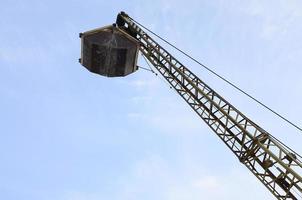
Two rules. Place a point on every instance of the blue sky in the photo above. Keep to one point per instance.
(67, 134)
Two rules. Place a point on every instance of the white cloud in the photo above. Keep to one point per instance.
(144, 83)
(157, 178)
(276, 18)
(22, 54)
(141, 99)
(136, 116)
(207, 183)
(75, 195)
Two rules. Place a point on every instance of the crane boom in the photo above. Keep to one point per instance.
(271, 162)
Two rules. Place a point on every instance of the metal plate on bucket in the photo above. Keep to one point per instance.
(109, 51)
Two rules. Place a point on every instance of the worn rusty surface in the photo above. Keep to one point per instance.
(109, 51)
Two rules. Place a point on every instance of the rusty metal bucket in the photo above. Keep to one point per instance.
(109, 51)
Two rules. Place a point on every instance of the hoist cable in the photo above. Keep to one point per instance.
(154, 72)
(221, 77)
(146, 69)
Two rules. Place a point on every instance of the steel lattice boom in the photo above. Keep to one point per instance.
(272, 163)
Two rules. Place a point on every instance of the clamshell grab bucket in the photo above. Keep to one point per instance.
(109, 51)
